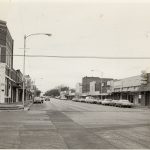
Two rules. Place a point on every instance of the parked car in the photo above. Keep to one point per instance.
(82, 100)
(89, 99)
(63, 98)
(106, 101)
(113, 102)
(57, 97)
(95, 101)
(124, 103)
(78, 100)
(42, 99)
(99, 101)
(75, 99)
(47, 99)
(37, 100)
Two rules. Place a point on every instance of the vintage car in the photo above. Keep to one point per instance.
(47, 98)
(124, 103)
(75, 99)
(38, 100)
(99, 101)
(106, 101)
(113, 102)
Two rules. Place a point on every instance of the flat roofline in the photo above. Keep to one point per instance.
(95, 77)
(129, 77)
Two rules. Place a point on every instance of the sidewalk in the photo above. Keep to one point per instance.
(16, 106)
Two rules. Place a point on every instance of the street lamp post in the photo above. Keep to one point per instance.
(24, 55)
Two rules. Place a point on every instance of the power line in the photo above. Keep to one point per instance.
(80, 57)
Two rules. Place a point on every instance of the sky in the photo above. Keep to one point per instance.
(79, 28)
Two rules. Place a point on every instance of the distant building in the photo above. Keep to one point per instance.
(70, 94)
(20, 85)
(63, 94)
(33, 89)
(93, 90)
(28, 86)
(94, 85)
(78, 90)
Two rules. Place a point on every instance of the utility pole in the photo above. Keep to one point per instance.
(101, 84)
(25, 37)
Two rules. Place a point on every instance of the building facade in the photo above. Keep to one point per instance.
(78, 89)
(136, 89)
(10, 79)
(10, 86)
(6, 63)
(95, 85)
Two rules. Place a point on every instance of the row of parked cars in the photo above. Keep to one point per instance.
(61, 98)
(40, 99)
(109, 102)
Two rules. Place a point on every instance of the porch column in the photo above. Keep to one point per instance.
(17, 95)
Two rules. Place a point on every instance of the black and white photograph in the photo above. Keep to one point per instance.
(74, 74)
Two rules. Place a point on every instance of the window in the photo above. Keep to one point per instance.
(8, 58)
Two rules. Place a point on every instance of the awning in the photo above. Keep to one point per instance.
(15, 85)
(127, 89)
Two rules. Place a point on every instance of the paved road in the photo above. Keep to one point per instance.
(73, 125)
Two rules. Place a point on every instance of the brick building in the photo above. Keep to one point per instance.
(99, 85)
(6, 63)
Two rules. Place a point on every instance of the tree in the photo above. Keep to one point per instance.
(65, 88)
(62, 88)
(73, 90)
(53, 92)
(37, 92)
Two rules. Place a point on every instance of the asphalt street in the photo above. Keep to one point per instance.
(61, 124)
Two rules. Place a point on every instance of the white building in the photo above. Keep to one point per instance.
(136, 89)
(2, 83)
(78, 89)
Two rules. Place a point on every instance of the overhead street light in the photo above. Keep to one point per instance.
(25, 37)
